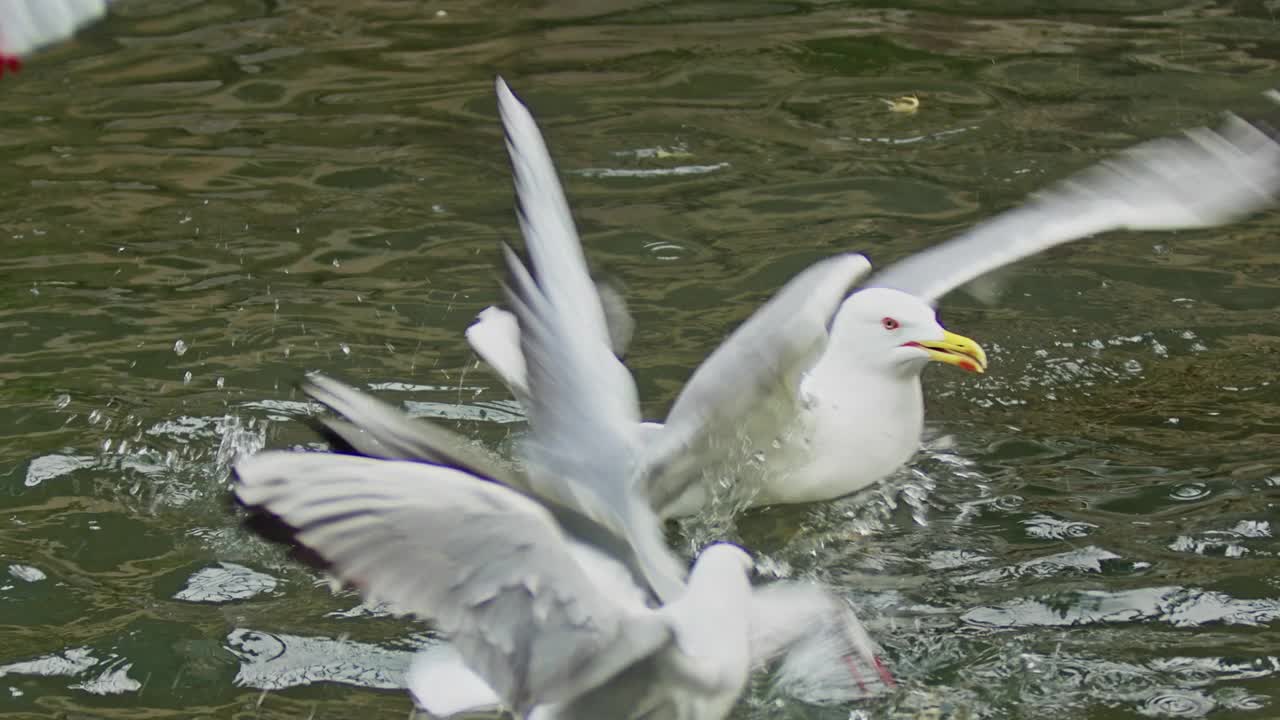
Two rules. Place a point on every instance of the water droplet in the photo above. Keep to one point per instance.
(186, 377)
(336, 263)
(180, 347)
(346, 349)
(1189, 492)
(221, 382)
(95, 417)
(1176, 703)
(62, 401)
(1007, 502)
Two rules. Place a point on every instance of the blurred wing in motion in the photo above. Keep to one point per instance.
(375, 429)
(584, 429)
(487, 564)
(584, 414)
(1207, 177)
(826, 654)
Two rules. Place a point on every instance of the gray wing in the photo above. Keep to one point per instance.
(380, 430)
(584, 414)
(547, 225)
(584, 429)
(1207, 177)
(376, 429)
(752, 379)
(826, 654)
(488, 565)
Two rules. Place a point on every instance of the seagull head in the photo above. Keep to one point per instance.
(899, 331)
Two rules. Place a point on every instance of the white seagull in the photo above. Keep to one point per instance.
(817, 395)
(821, 645)
(27, 25)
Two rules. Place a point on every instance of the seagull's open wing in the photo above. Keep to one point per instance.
(487, 564)
(549, 233)
(1206, 177)
(376, 429)
(379, 430)
(584, 415)
(584, 429)
(751, 382)
(26, 25)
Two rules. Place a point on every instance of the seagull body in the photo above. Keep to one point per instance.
(818, 394)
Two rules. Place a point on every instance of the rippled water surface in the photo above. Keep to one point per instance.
(202, 199)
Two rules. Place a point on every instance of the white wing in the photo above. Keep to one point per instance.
(584, 415)
(26, 25)
(547, 225)
(1205, 178)
(750, 383)
(487, 564)
(375, 429)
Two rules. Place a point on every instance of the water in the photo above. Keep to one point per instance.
(203, 200)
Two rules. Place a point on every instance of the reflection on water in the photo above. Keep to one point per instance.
(202, 200)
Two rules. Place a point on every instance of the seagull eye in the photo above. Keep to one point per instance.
(889, 323)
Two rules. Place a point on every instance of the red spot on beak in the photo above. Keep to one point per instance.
(966, 365)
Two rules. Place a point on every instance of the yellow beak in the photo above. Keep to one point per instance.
(956, 350)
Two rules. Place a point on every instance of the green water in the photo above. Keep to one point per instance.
(201, 200)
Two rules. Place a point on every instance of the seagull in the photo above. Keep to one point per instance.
(818, 395)
(27, 25)
(499, 576)
(803, 626)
